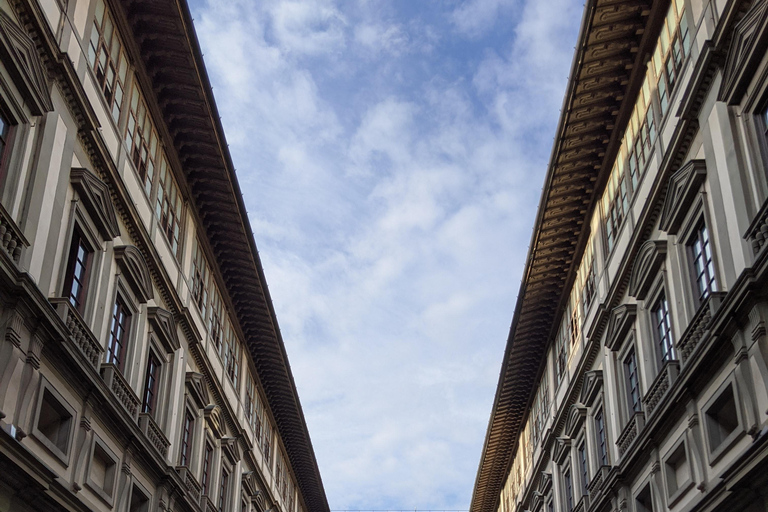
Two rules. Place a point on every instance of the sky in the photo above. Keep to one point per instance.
(391, 154)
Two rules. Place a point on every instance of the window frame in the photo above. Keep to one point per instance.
(661, 357)
(206, 466)
(78, 235)
(122, 57)
(714, 454)
(187, 442)
(631, 349)
(603, 455)
(567, 482)
(62, 455)
(107, 496)
(674, 495)
(695, 236)
(127, 332)
(154, 389)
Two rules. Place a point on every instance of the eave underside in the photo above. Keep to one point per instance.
(609, 65)
(171, 56)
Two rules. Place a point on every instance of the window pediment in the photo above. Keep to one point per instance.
(683, 187)
(95, 197)
(213, 418)
(20, 55)
(620, 322)
(592, 386)
(545, 483)
(132, 262)
(196, 389)
(561, 450)
(231, 449)
(647, 264)
(576, 416)
(163, 326)
(748, 47)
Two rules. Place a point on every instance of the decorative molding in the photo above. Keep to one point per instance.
(258, 501)
(545, 483)
(21, 59)
(230, 447)
(561, 449)
(136, 270)
(747, 49)
(683, 186)
(213, 418)
(649, 259)
(592, 387)
(620, 321)
(163, 326)
(576, 416)
(196, 389)
(95, 196)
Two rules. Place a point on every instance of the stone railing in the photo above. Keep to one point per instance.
(190, 483)
(631, 430)
(695, 331)
(79, 333)
(120, 389)
(660, 386)
(11, 238)
(757, 234)
(154, 434)
(207, 505)
(596, 485)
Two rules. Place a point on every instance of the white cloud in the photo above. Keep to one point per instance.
(391, 184)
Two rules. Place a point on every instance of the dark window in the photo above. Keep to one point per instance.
(703, 268)
(118, 334)
(200, 279)
(722, 419)
(224, 490)
(168, 208)
(663, 328)
(643, 501)
(568, 485)
(551, 505)
(584, 470)
(5, 135)
(207, 461)
(139, 501)
(106, 56)
(78, 268)
(150, 384)
(141, 139)
(633, 385)
(562, 356)
(602, 443)
(54, 422)
(186, 438)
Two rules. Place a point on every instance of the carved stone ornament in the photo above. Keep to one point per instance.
(231, 448)
(561, 450)
(163, 326)
(576, 416)
(136, 271)
(647, 265)
(748, 47)
(684, 184)
(95, 197)
(258, 501)
(196, 389)
(250, 485)
(213, 418)
(20, 57)
(591, 388)
(545, 483)
(620, 322)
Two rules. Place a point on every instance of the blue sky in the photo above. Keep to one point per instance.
(391, 155)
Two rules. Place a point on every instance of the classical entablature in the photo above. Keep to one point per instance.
(608, 67)
(168, 49)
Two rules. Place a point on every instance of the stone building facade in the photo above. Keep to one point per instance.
(635, 376)
(141, 364)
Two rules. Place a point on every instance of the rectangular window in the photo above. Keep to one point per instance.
(584, 469)
(252, 409)
(267, 443)
(5, 137)
(207, 461)
(602, 442)
(108, 60)
(633, 385)
(224, 490)
(568, 488)
(186, 439)
(562, 356)
(231, 355)
(700, 252)
(141, 139)
(149, 400)
(215, 315)
(199, 279)
(118, 334)
(78, 269)
(169, 206)
(663, 329)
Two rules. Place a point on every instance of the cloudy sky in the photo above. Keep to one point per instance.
(392, 153)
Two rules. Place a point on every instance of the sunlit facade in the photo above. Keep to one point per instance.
(636, 373)
(141, 365)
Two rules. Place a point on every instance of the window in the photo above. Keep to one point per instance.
(224, 490)
(700, 252)
(169, 206)
(561, 347)
(107, 58)
(588, 292)
(267, 443)
(199, 279)
(141, 139)
(568, 488)
(186, 439)
(677, 472)
(139, 501)
(54, 423)
(118, 334)
(78, 269)
(215, 316)
(602, 443)
(663, 329)
(252, 409)
(207, 461)
(232, 355)
(149, 399)
(643, 501)
(102, 471)
(5, 136)
(722, 419)
(582, 451)
(765, 123)
(633, 385)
